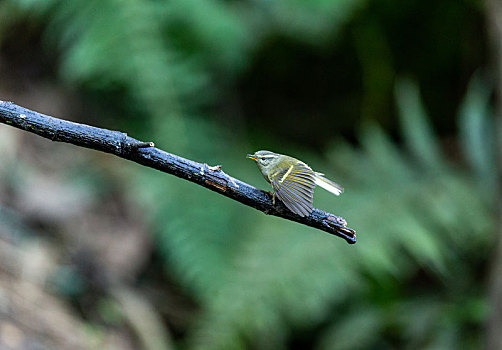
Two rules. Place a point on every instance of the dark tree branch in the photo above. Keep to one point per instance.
(144, 153)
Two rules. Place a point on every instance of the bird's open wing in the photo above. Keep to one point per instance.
(294, 186)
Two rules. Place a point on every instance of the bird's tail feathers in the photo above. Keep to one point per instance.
(328, 185)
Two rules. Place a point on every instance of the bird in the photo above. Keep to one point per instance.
(293, 181)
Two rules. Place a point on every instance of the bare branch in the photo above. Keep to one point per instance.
(144, 153)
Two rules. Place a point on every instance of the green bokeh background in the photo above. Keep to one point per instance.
(392, 99)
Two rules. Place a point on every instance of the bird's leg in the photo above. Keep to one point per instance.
(273, 196)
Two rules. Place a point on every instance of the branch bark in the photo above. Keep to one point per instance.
(144, 153)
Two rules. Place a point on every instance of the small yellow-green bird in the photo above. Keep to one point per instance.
(293, 181)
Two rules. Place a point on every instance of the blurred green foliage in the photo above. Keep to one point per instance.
(425, 220)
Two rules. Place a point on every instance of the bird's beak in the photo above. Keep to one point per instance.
(251, 156)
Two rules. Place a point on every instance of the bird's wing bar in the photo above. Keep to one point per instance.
(294, 186)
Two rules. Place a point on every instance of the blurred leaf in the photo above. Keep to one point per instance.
(476, 131)
(416, 130)
(68, 282)
(215, 32)
(311, 20)
(358, 330)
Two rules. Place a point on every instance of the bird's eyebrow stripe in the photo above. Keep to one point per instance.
(267, 156)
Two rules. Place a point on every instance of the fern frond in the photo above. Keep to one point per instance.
(416, 131)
